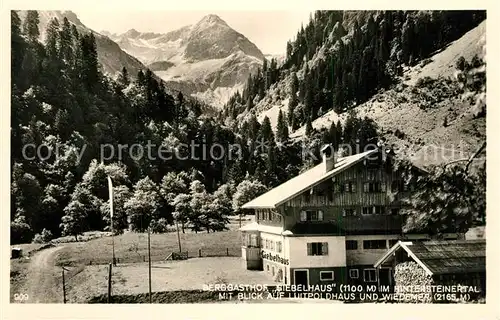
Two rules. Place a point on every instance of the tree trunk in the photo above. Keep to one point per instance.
(76, 237)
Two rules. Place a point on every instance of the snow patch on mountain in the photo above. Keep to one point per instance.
(208, 60)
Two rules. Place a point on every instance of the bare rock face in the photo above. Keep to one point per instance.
(209, 59)
(212, 38)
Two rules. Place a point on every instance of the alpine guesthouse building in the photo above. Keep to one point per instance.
(329, 224)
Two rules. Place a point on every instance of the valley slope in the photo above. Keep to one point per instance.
(427, 121)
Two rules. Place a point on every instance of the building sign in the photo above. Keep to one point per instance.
(274, 257)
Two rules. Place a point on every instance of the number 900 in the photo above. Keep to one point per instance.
(21, 297)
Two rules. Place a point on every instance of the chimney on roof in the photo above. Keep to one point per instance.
(328, 156)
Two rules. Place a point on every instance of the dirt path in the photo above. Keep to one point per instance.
(43, 278)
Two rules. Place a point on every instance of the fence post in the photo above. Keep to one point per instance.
(64, 286)
(199, 253)
(227, 251)
(109, 283)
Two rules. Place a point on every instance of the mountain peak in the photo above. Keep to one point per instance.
(211, 19)
(132, 33)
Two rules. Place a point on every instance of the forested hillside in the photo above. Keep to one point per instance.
(340, 59)
(67, 117)
(72, 126)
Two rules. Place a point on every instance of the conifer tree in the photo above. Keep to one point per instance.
(123, 78)
(309, 127)
(66, 42)
(281, 128)
(52, 38)
(30, 26)
(266, 132)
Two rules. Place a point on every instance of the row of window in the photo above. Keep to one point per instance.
(380, 210)
(311, 215)
(268, 215)
(350, 187)
(370, 244)
(317, 215)
(276, 246)
(369, 275)
(251, 240)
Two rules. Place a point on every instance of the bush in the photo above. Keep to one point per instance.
(20, 231)
(159, 226)
(44, 237)
(425, 62)
(445, 122)
(461, 64)
(424, 82)
(400, 134)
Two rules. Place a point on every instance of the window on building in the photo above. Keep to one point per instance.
(254, 241)
(369, 275)
(374, 210)
(395, 211)
(273, 271)
(378, 210)
(351, 245)
(371, 187)
(311, 215)
(317, 249)
(374, 244)
(392, 242)
(267, 268)
(346, 212)
(272, 245)
(279, 246)
(367, 210)
(326, 275)
(354, 273)
(350, 187)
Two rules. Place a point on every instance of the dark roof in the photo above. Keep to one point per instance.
(322, 228)
(444, 257)
(373, 224)
(455, 256)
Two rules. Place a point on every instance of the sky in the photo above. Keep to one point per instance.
(269, 30)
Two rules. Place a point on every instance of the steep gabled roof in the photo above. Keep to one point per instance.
(302, 182)
(444, 257)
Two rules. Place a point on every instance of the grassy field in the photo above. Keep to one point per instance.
(132, 247)
(186, 275)
(38, 270)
